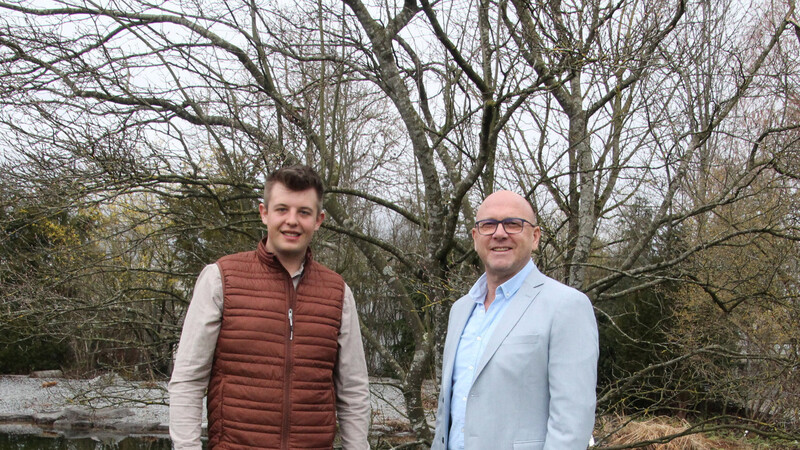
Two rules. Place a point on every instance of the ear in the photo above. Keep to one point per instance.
(320, 218)
(262, 211)
(537, 235)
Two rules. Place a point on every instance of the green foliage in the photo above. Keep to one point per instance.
(23, 350)
(108, 284)
(636, 338)
(635, 327)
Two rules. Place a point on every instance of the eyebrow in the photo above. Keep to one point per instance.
(284, 205)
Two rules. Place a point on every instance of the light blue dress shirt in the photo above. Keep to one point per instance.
(476, 334)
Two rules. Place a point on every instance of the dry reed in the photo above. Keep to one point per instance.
(656, 428)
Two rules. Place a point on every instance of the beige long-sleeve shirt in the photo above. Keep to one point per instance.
(195, 354)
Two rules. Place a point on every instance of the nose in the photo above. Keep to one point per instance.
(500, 232)
(291, 218)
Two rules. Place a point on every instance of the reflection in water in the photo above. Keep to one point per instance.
(51, 441)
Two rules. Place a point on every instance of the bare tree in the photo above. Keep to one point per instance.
(412, 112)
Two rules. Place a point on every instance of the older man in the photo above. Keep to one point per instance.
(520, 357)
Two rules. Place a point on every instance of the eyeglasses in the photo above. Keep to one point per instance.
(512, 225)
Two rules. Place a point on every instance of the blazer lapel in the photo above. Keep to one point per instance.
(530, 288)
(456, 326)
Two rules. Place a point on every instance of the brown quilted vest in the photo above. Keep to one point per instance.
(272, 378)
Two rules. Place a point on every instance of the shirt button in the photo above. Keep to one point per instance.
(464, 398)
(478, 338)
(471, 368)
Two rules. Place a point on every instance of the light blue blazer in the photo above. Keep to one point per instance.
(535, 382)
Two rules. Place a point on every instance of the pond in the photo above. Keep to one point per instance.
(30, 437)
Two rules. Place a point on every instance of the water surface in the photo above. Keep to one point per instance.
(30, 437)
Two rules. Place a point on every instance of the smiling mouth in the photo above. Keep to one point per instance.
(290, 233)
(501, 249)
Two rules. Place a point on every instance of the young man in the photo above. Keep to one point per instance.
(520, 357)
(274, 338)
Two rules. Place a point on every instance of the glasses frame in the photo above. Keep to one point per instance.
(503, 222)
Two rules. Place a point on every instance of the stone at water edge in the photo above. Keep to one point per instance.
(47, 374)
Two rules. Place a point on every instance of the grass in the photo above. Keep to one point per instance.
(623, 431)
(652, 429)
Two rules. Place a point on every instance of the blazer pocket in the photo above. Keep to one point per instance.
(528, 445)
(521, 339)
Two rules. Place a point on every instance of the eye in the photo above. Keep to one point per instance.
(487, 226)
(513, 225)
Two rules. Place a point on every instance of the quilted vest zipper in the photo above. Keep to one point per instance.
(287, 384)
(291, 325)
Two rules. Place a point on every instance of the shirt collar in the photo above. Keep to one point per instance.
(299, 271)
(507, 289)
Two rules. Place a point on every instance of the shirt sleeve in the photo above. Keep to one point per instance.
(351, 380)
(192, 368)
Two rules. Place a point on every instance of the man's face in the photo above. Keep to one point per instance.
(504, 254)
(291, 218)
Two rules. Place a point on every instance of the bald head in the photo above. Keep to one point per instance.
(512, 203)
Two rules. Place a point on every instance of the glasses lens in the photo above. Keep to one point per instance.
(487, 226)
(513, 226)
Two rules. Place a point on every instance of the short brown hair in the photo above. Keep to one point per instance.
(296, 178)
